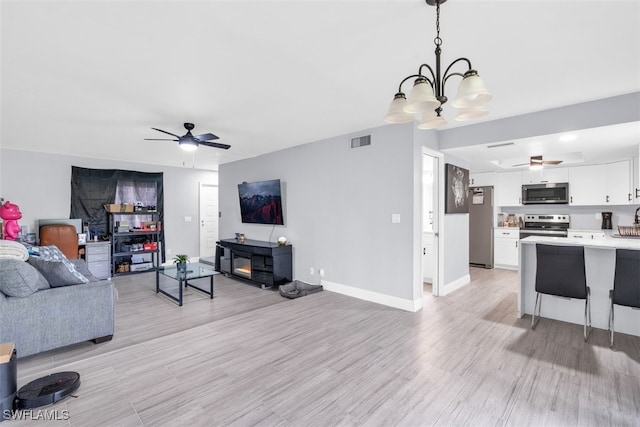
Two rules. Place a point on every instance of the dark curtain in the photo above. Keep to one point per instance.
(91, 189)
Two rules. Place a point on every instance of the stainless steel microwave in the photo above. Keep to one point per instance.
(542, 194)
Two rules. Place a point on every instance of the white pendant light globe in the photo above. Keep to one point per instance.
(432, 121)
(421, 98)
(471, 92)
(188, 145)
(471, 113)
(396, 113)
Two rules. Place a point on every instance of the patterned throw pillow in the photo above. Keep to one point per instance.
(53, 254)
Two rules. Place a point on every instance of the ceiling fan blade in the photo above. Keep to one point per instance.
(206, 137)
(521, 164)
(552, 162)
(215, 145)
(159, 139)
(168, 133)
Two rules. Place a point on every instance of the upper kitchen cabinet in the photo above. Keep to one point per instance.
(482, 179)
(636, 177)
(606, 184)
(546, 175)
(587, 185)
(619, 183)
(509, 189)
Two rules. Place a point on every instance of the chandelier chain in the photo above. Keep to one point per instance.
(437, 41)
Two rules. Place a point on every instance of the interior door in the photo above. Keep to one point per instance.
(208, 219)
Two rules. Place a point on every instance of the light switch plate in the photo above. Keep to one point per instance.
(395, 218)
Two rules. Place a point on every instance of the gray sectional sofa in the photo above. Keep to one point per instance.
(40, 315)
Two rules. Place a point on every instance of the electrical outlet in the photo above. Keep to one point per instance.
(311, 271)
(321, 271)
(168, 251)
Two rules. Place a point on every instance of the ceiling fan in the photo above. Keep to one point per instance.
(189, 142)
(536, 162)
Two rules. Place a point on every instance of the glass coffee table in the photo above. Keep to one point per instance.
(194, 271)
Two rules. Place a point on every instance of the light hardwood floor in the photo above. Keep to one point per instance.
(250, 357)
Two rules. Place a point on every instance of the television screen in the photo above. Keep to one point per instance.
(261, 202)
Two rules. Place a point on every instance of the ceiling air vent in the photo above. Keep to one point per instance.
(361, 141)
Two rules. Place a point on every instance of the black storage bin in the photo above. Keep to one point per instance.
(8, 385)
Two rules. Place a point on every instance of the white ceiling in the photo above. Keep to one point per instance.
(92, 77)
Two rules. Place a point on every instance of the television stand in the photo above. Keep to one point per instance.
(263, 263)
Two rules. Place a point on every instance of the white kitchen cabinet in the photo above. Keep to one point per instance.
(636, 178)
(505, 247)
(509, 189)
(482, 179)
(587, 185)
(618, 183)
(428, 258)
(545, 175)
(605, 184)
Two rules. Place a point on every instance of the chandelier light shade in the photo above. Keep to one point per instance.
(428, 93)
(471, 92)
(432, 122)
(396, 112)
(471, 113)
(421, 98)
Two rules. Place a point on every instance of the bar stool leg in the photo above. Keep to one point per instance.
(611, 320)
(536, 307)
(587, 315)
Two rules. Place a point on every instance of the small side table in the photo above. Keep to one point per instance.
(194, 271)
(98, 258)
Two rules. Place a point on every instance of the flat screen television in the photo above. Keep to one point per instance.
(261, 202)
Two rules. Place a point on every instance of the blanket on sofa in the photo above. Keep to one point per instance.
(13, 250)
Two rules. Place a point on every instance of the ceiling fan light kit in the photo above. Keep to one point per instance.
(428, 95)
(190, 142)
(537, 163)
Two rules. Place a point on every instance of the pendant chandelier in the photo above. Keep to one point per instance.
(427, 95)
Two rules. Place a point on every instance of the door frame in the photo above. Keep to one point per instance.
(438, 216)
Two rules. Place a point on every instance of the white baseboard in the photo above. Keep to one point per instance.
(456, 284)
(378, 298)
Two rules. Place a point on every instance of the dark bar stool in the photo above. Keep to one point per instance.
(626, 283)
(560, 271)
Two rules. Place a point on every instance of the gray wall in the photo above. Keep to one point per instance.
(586, 115)
(338, 203)
(456, 240)
(40, 184)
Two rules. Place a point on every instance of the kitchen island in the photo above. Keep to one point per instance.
(600, 258)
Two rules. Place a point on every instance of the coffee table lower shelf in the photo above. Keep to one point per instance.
(194, 271)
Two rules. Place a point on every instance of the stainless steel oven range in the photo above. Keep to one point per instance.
(545, 225)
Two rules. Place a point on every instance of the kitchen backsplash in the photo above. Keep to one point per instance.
(581, 216)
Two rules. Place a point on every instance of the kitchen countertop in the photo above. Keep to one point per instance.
(600, 260)
(608, 242)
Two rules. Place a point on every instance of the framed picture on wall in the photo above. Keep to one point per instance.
(457, 191)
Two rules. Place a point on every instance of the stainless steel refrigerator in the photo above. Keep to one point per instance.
(481, 226)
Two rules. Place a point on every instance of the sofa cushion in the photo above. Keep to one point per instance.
(81, 267)
(51, 253)
(19, 279)
(57, 273)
